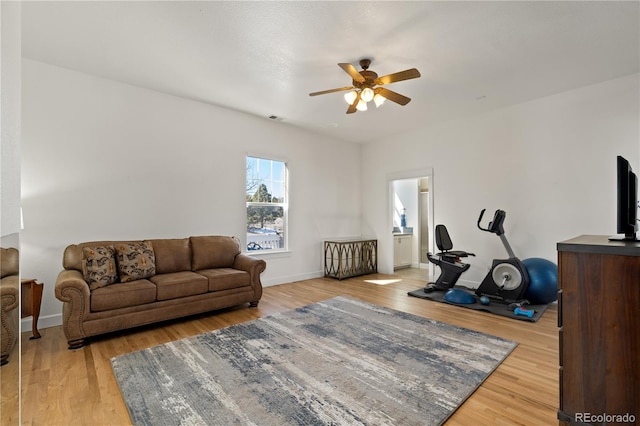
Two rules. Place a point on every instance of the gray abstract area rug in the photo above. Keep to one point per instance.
(337, 362)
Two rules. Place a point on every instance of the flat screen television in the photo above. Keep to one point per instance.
(627, 205)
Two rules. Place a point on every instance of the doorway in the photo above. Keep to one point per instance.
(411, 194)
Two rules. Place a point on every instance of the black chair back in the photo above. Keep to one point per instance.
(443, 240)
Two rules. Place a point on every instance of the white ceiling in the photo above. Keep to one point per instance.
(263, 58)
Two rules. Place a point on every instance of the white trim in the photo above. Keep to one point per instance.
(266, 156)
(410, 174)
(291, 278)
(274, 254)
(284, 205)
(43, 322)
(387, 239)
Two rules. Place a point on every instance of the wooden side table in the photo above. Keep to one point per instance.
(31, 293)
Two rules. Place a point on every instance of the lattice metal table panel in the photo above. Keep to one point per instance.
(349, 258)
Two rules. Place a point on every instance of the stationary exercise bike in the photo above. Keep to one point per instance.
(508, 278)
(448, 260)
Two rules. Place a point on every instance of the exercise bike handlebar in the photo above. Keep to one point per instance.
(495, 226)
(480, 220)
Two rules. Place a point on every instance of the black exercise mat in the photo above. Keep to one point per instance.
(495, 307)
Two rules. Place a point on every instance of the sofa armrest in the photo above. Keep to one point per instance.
(73, 291)
(9, 300)
(254, 267)
(9, 288)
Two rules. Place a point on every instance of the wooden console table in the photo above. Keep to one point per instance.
(599, 324)
(350, 257)
(31, 294)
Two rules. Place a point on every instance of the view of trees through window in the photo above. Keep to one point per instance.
(266, 204)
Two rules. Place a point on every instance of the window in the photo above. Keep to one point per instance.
(266, 204)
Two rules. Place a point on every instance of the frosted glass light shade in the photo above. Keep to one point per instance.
(366, 94)
(378, 99)
(362, 106)
(349, 97)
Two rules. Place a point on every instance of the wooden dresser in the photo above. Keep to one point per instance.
(599, 322)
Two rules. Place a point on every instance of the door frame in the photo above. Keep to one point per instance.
(404, 175)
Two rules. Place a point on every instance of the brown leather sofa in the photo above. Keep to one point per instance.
(9, 288)
(114, 285)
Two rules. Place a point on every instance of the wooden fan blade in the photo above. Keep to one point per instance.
(341, 89)
(398, 76)
(393, 96)
(353, 72)
(352, 107)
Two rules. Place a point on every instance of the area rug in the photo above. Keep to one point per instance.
(495, 307)
(337, 362)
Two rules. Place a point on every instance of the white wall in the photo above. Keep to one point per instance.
(104, 160)
(10, 122)
(549, 163)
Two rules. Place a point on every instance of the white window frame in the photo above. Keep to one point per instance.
(259, 241)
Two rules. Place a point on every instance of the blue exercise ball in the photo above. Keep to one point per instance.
(543, 281)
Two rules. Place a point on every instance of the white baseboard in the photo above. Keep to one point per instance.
(43, 322)
(292, 278)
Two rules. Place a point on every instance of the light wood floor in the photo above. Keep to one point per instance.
(9, 385)
(64, 387)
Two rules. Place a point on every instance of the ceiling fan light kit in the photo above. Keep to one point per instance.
(367, 94)
(349, 97)
(378, 99)
(364, 88)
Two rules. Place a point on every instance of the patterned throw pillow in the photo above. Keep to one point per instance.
(99, 266)
(135, 261)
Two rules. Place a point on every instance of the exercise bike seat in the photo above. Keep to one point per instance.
(448, 260)
(443, 241)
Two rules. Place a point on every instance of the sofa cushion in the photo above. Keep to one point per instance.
(99, 266)
(179, 284)
(225, 278)
(172, 255)
(123, 295)
(213, 252)
(135, 261)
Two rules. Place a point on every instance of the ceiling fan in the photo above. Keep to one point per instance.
(365, 88)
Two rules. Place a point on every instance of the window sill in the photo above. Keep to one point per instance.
(268, 254)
